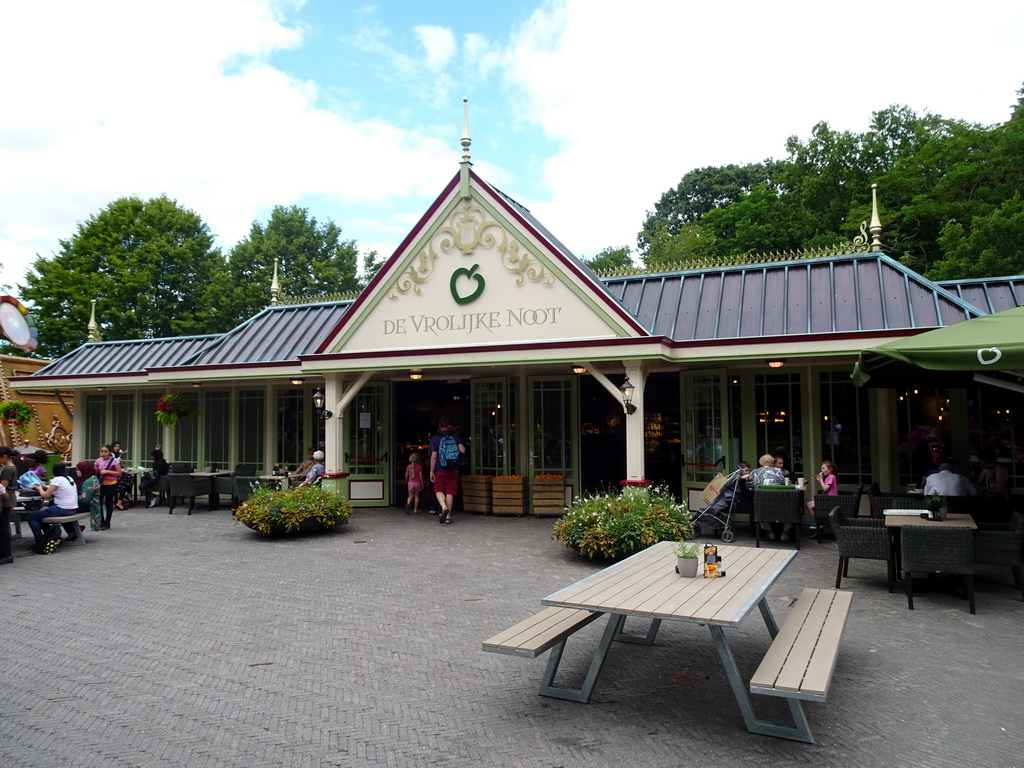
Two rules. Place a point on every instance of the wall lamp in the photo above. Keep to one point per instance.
(578, 369)
(318, 405)
(196, 385)
(415, 374)
(627, 395)
(298, 382)
(775, 363)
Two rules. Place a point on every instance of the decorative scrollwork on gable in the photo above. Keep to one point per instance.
(467, 228)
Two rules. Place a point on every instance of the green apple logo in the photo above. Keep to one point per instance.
(471, 272)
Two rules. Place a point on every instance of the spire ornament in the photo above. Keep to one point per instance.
(275, 288)
(466, 141)
(93, 329)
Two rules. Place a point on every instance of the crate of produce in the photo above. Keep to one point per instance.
(509, 495)
(476, 493)
(548, 495)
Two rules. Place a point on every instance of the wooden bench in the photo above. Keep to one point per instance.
(76, 520)
(800, 662)
(540, 633)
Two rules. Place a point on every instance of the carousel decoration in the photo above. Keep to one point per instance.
(17, 324)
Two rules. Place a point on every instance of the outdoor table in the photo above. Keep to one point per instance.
(281, 480)
(211, 492)
(647, 586)
(895, 519)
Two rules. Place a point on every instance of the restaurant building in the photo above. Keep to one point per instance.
(483, 315)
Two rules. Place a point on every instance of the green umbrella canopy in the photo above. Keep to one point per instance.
(982, 345)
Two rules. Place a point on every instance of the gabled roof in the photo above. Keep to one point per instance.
(127, 357)
(867, 292)
(989, 294)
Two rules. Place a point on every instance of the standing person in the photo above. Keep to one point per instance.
(8, 498)
(64, 492)
(414, 479)
(445, 448)
(126, 480)
(108, 468)
(89, 493)
(159, 469)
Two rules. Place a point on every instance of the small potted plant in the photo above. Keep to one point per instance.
(937, 506)
(687, 558)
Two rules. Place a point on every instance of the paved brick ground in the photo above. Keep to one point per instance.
(188, 641)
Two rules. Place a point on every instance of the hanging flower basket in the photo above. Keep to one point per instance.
(172, 408)
(17, 414)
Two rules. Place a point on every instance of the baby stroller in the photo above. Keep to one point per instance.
(720, 497)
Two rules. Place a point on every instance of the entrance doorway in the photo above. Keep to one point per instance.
(417, 407)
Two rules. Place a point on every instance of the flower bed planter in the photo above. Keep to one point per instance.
(476, 493)
(508, 496)
(548, 496)
(296, 511)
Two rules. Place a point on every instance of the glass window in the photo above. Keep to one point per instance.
(186, 441)
(149, 428)
(777, 404)
(249, 427)
(122, 419)
(291, 434)
(845, 433)
(367, 446)
(923, 422)
(701, 427)
(215, 414)
(95, 425)
(994, 421)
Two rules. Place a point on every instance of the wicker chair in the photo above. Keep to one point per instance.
(883, 501)
(185, 487)
(777, 504)
(865, 538)
(823, 504)
(1002, 546)
(943, 550)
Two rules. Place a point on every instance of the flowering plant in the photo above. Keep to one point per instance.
(173, 407)
(269, 511)
(606, 525)
(17, 414)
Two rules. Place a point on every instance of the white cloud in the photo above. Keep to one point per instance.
(439, 43)
(143, 99)
(639, 94)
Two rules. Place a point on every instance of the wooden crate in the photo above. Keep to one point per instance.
(548, 496)
(476, 493)
(508, 496)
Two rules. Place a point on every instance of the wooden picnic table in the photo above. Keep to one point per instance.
(646, 586)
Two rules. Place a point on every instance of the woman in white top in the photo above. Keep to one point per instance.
(64, 492)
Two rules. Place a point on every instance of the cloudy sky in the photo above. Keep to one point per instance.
(583, 110)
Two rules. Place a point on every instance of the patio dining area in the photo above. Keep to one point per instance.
(191, 640)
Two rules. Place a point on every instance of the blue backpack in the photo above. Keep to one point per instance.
(447, 452)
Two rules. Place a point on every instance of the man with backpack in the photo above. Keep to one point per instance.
(445, 449)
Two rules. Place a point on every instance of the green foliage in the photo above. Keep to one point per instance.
(939, 179)
(615, 525)
(994, 245)
(267, 509)
(312, 260)
(149, 265)
(173, 407)
(687, 550)
(610, 259)
(692, 243)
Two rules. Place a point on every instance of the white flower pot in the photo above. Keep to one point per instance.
(687, 566)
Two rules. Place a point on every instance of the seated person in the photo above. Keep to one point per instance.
(768, 473)
(946, 482)
(934, 463)
(994, 481)
(300, 471)
(316, 470)
(64, 492)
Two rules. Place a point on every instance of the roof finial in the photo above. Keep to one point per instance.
(875, 230)
(275, 288)
(466, 141)
(93, 328)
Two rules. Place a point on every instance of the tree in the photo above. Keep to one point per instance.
(148, 264)
(312, 259)
(691, 243)
(994, 246)
(610, 259)
(700, 191)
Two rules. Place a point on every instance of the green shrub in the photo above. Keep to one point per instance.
(268, 510)
(615, 525)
